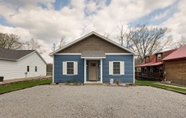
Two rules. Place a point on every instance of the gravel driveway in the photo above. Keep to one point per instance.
(54, 101)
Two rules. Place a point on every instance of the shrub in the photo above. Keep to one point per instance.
(68, 81)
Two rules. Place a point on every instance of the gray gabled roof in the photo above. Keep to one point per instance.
(13, 55)
(87, 35)
(95, 54)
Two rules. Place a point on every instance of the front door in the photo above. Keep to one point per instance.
(93, 70)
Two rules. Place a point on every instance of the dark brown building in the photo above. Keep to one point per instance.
(175, 66)
(153, 66)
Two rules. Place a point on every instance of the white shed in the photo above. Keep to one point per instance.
(16, 64)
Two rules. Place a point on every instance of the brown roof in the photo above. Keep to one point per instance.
(7, 54)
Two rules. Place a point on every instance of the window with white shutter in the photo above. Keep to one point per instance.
(70, 68)
(116, 68)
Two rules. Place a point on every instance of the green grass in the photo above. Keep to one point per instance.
(154, 84)
(22, 85)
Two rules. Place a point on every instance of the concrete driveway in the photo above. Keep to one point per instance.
(54, 101)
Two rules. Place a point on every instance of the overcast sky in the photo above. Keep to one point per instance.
(48, 20)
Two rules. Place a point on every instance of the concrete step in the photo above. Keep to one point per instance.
(93, 83)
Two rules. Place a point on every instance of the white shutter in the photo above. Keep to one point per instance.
(64, 68)
(75, 68)
(110, 68)
(122, 68)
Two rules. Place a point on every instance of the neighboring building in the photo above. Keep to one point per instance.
(175, 66)
(153, 67)
(49, 69)
(21, 63)
(93, 59)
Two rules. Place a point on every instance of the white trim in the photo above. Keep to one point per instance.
(94, 82)
(93, 58)
(85, 70)
(87, 35)
(119, 54)
(97, 57)
(133, 69)
(53, 71)
(67, 54)
(101, 68)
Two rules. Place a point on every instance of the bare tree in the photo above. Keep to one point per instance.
(34, 45)
(181, 41)
(106, 35)
(124, 36)
(10, 41)
(145, 40)
(62, 42)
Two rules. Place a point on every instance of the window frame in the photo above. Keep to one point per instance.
(159, 57)
(70, 68)
(117, 68)
(147, 59)
(28, 68)
(35, 68)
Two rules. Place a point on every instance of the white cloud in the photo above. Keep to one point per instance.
(160, 16)
(177, 21)
(47, 25)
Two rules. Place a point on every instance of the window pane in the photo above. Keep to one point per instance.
(28, 69)
(70, 67)
(70, 64)
(116, 71)
(70, 71)
(35, 68)
(116, 67)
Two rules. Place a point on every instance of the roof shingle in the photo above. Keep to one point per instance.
(7, 54)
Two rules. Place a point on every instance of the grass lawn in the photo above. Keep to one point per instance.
(22, 85)
(154, 84)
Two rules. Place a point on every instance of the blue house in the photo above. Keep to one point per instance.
(93, 58)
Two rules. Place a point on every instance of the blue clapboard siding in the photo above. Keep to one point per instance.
(127, 77)
(58, 76)
(58, 69)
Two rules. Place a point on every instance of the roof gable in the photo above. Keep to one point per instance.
(61, 50)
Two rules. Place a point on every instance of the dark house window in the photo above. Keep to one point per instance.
(70, 68)
(28, 69)
(35, 68)
(116, 67)
(159, 56)
(147, 59)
